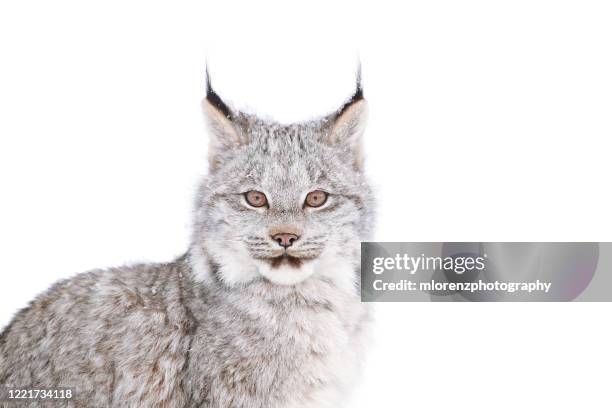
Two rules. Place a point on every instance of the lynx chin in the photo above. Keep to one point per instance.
(262, 311)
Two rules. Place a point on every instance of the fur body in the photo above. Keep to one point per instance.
(237, 321)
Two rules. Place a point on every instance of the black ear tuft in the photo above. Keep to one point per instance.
(357, 95)
(214, 99)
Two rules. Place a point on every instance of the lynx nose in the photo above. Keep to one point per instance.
(284, 239)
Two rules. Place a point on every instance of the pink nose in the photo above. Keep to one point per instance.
(284, 239)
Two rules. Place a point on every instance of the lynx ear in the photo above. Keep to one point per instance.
(349, 124)
(224, 134)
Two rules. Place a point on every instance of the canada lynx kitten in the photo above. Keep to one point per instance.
(263, 311)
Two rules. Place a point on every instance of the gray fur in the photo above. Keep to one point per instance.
(222, 326)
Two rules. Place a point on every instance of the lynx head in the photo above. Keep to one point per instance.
(284, 203)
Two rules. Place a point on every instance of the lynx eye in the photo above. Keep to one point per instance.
(315, 198)
(255, 198)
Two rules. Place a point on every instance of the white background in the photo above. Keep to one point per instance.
(490, 121)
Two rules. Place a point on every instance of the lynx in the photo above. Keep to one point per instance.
(262, 311)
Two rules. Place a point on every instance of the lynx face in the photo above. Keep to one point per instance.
(283, 202)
